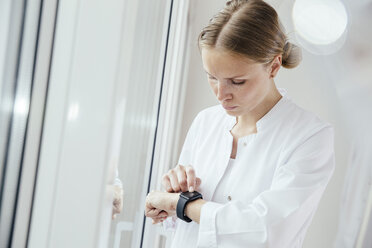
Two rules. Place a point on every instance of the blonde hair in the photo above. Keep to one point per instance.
(250, 28)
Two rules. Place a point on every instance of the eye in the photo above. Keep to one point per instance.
(235, 82)
(212, 78)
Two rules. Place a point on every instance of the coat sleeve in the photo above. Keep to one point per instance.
(276, 216)
(188, 153)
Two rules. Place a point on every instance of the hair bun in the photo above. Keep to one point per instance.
(291, 55)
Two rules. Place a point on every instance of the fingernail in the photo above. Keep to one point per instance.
(191, 189)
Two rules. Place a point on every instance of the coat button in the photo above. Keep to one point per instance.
(229, 198)
(245, 144)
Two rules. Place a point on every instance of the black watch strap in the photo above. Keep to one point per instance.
(182, 202)
(181, 205)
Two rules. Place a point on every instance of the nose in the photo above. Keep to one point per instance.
(222, 91)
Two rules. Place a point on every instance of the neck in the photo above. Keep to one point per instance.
(249, 120)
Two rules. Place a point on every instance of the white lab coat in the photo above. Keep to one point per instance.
(274, 187)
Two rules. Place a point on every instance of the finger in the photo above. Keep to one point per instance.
(182, 178)
(162, 214)
(198, 182)
(167, 183)
(157, 220)
(154, 211)
(191, 178)
(150, 211)
(174, 180)
(117, 208)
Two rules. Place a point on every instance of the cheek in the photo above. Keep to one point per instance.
(251, 93)
(259, 85)
(247, 97)
(213, 86)
(248, 91)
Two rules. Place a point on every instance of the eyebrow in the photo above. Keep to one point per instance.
(236, 77)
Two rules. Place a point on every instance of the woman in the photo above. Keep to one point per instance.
(259, 161)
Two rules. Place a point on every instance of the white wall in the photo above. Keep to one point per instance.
(309, 85)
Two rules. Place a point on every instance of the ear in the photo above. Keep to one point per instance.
(275, 66)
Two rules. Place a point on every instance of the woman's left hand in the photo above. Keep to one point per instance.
(117, 204)
(160, 205)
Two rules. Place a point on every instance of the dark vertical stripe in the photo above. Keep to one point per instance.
(26, 126)
(6, 155)
(43, 118)
(9, 241)
(157, 118)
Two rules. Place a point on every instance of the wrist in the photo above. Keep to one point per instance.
(174, 201)
(197, 204)
(194, 207)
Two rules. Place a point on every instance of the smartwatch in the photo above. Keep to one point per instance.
(186, 197)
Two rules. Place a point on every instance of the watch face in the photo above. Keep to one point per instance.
(190, 194)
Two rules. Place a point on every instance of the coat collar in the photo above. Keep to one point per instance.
(269, 119)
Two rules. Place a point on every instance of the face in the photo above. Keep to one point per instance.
(239, 84)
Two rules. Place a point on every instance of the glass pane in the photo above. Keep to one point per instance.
(139, 98)
(18, 37)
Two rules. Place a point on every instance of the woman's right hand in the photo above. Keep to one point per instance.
(181, 179)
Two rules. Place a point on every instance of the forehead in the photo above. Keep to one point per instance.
(227, 65)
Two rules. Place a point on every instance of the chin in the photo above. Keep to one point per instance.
(232, 113)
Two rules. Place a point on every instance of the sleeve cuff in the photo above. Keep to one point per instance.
(207, 226)
(170, 223)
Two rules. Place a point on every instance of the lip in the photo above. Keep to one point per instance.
(228, 108)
